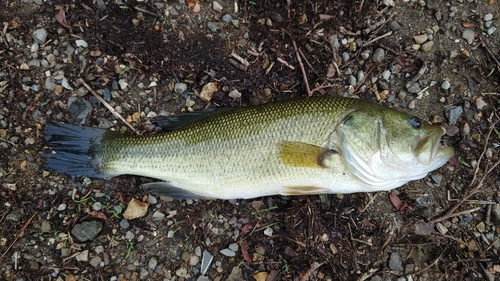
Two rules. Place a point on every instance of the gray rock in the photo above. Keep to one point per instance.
(40, 35)
(79, 110)
(495, 214)
(335, 41)
(345, 56)
(143, 274)
(488, 17)
(415, 88)
(152, 263)
(468, 35)
(95, 261)
(394, 25)
(180, 88)
(452, 113)
(228, 252)
(386, 75)
(352, 80)
(205, 261)
(446, 85)
(45, 226)
(395, 262)
(86, 231)
(491, 30)
(81, 43)
(389, 3)
(50, 83)
(227, 18)
(376, 278)
(213, 26)
(216, 6)
(13, 216)
(378, 55)
(427, 46)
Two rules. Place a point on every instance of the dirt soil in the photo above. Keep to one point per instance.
(153, 58)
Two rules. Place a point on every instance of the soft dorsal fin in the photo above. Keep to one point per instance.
(171, 123)
(299, 154)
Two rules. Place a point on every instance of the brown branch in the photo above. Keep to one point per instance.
(19, 234)
(304, 76)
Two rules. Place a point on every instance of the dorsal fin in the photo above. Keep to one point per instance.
(174, 122)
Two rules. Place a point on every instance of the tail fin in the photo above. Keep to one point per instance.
(74, 150)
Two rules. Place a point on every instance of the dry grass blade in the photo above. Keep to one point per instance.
(112, 110)
(19, 234)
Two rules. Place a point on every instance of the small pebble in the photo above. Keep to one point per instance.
(488, 17)
(468, 35)
(216, 6)
(378, 55)
(227, 252)
(445, 85)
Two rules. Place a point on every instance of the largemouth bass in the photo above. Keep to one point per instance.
(303, 146)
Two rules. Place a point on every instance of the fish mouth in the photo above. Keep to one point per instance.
(429, 149)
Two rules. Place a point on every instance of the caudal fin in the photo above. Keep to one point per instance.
(74, 150)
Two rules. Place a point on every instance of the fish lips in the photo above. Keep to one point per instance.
(430, 151)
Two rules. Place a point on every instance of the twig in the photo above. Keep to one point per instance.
(419, 74)
(370, 202)
(445, 217)
(111, 109)
(435, 262)
(19, 234)
(377, 38)
(490, 52)
(285, 63)
(310, 271)
(146, 11)
(480, 184)
(7, 141)
(304, 76)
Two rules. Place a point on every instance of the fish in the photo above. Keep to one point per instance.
(305, 146)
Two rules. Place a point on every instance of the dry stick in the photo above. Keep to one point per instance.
(430, 265)
(445, 217)
(112, 110)
(310, 271)
(304, 76)
(491, 53)
(419, 74)
(377, 38)
(479, 185)
(19, 234)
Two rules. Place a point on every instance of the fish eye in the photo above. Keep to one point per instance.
(415, 122)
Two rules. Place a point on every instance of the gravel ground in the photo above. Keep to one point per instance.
(64, 62)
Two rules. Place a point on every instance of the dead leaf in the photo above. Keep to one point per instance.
(469, 24)
(453, 161)
(367, 223)
(396, 202)
(96, 214)
(422, 228)
(61, 18)
(135, 209)
(244, 251)
(191, 3)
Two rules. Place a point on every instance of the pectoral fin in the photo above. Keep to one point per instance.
(303, 190)
(168, 189)
(299, 154)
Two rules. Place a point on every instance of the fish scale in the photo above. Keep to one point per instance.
(302, 146)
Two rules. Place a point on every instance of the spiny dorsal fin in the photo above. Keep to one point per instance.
(299, 154)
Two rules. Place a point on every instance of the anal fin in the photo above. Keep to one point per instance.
(303, 190)
(168, 189)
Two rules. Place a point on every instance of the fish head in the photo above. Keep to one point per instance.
(386, 148)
